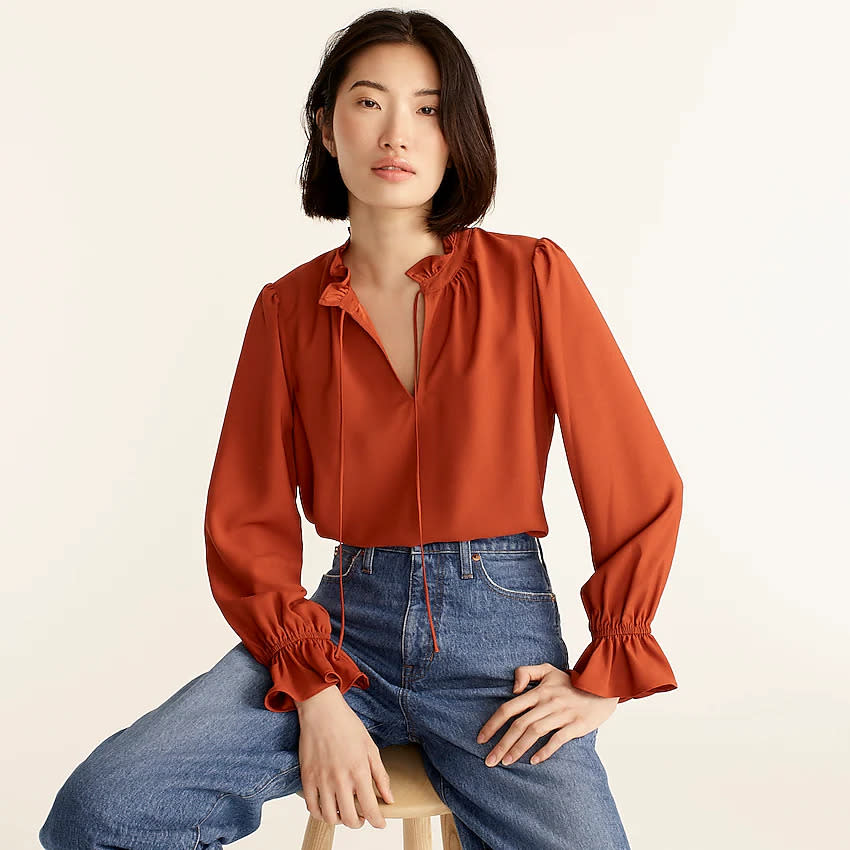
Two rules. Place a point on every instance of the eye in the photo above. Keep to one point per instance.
(434, 109)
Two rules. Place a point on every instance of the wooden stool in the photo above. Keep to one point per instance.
(416, 802)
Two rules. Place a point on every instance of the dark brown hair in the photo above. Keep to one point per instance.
(468, 188)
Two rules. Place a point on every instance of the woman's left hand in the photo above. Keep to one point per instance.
(554, 704)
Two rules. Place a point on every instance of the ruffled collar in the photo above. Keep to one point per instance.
(430, 272)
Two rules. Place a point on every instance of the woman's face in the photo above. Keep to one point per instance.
(371, 123)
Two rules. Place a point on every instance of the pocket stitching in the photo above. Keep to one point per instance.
(530, 595)
(346, 571)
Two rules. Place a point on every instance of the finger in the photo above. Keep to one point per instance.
(368, 802)
(311, 798)
(527, 673)
(521, 735)
(505, 712)
(347, 809)
(382, 778)
(328, 805)
(506, 743)
(522, 677)
(554, 744)
(532, 735)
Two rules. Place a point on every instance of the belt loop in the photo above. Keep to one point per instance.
(368, 555)
(465, 550)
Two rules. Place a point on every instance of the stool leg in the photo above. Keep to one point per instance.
(417, 833)
(319, 835)
(451, 840)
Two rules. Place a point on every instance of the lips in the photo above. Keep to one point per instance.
(392, 163)
(392, 175)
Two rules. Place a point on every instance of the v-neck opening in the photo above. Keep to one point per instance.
(417, 366)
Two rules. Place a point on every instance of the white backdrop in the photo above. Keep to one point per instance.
(688, 157)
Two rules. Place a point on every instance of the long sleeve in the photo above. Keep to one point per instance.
(629, 491)
(252, 527)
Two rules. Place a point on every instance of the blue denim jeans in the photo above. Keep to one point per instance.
(194, 772)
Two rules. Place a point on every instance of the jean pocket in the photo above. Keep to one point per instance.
(521, 575)
(351, 555)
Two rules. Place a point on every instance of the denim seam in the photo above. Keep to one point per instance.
(446, 803)
(122, 829)
(252, 793)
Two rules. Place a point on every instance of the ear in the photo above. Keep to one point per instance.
(327, 141)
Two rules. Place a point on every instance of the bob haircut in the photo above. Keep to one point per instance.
(468, 189)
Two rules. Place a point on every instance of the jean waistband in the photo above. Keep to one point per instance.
(521, 541)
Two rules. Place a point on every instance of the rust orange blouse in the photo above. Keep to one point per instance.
(512, 336)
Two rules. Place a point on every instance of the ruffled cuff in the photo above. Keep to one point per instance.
(303, 668)
(628, 665)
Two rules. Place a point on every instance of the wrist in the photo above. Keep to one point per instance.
(318, 698)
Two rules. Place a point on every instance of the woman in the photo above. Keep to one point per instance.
(421, 448)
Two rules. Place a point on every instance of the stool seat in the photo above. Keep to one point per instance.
(416, 802)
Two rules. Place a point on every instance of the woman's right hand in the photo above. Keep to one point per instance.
(338, 759)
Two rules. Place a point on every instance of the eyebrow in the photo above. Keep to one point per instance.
(371, 84)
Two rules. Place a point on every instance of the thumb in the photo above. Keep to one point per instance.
(523, 675)
(382, 778)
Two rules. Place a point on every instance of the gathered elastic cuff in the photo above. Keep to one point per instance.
(624, 665)
(303, 668)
